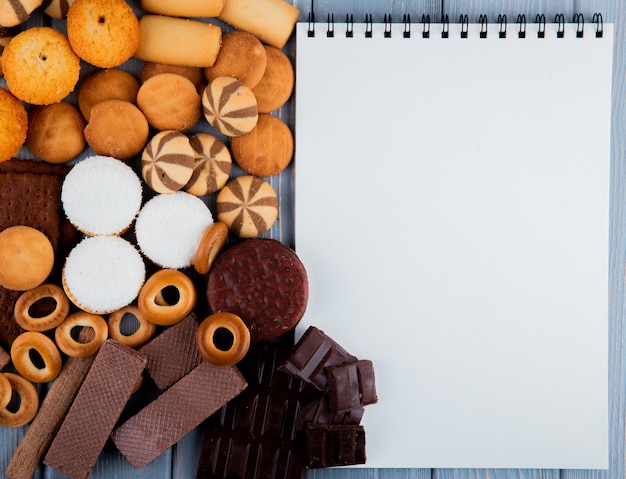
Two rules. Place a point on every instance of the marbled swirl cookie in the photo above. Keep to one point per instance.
(211, 167)
(167, 162)
(229, 106)
(15, 12)
(248, 205)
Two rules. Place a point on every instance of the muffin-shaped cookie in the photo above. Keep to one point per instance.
(104, 33)
(14, 12)
(212, 165)
(110, 84)
(37, 53)
(13, 125)
(117, 128)
(55, 132)
(194, 74)
(277, 84)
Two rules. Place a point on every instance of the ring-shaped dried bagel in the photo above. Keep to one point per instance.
(211, 244)
(6, 391)
(25, 308)
(81, 319)
(140, 336)
(223, 339)
(24, 350)
(156, 307)
(29, 402)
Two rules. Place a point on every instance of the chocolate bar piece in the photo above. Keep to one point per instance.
(173, 353)
(351, 385)
(177, 411)
(319, 412)
(95, 410)
(312, 355)
(9, 329)
(254, 435)
(4, 359)
(331, 445)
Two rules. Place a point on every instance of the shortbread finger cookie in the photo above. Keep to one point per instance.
(242, 56)
(277, 84)
(14, 12)
(109, 84)
(178, 41)
(212, 165)
(57, 8)
(229, 106)
(248, 205)
(266, 150)
(167, 162)
(184, 8)
(272, 21)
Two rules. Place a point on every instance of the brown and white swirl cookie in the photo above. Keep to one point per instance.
(229, 106)
(212, 165)
(167, 161)
(248, 205)
(14, 12)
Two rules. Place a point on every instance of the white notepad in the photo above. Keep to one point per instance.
(452, 210)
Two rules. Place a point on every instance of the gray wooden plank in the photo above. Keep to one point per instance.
(497, 473)
(359, 473)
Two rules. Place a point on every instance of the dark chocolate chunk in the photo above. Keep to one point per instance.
(319, 412)
(312, 355)
(351, 385)
(332, 445)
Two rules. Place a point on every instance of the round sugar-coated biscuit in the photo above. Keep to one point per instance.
(277, 84)
(264, 283)
(26, 258)
(103, 274)
(170, 227)
(230, 106)
(57, 8)
(194, 74)
(13, 125)
(55, 132)
(104, 33)
(266, 150)
(117, 128)
(212, 165)
(169, 102)
(14, 12)
(248, 205)
(167, 161)
(110, 84)
(241, 56)
(37, 53)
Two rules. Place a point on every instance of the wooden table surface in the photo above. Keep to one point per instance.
(181, 460)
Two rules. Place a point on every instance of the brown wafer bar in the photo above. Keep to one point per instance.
(351, 385)
(4, 359)
(97, 407)
(177, 411)
(173, 353)
(46, 423)
(332, 445)
(314, 352)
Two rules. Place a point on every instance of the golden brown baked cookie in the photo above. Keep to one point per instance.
(104, 33)
(193, 74)
(36, 53)
(266, 150)
(229, 106)
(57, 8)
(277, 83)
(110, 84)
(13, 125)
(26, 258)
(242, 56)
(184, 8)
(117, 128)
(6, 34)
(211, 167)
(55, 132)
(14, 12)
(169, 102)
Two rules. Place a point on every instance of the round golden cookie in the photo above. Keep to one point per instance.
(248, 205)
(57, 8)
(55, 132)
(169, 102)
(229, 106)
(14, 12)
(117, 128)
(277, 83)
(26, 258)
(211, 167)
(266, 150)
(4, 41)
(110, 84)
(241, 56)
(13, 125)
(38, 53)
(194, 74)
(104, 33)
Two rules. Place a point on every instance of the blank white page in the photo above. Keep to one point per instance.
(452, 210)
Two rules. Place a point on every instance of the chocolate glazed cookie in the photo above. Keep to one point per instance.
(264, 283)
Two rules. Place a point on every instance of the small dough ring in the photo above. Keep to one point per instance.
(23, 305)
(6, 391)
(155, 308)
(206, 339)
(21, 356)
(29, 402)
(140, 337)
(213, 240)
(76, 349)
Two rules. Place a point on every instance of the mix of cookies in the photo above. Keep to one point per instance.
(135, 265)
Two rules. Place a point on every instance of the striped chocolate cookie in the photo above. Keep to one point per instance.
(167, 161)
(212, 165)
(229, 106)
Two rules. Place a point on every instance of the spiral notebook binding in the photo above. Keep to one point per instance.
(560, 20)
(387, 21)
(445, 26)
(349, 25)
(503, 24)
(521, 21)
(540, 19)
(330, 30)
(579, 20)
(464, 21)
(482, 19)
(425, 26)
